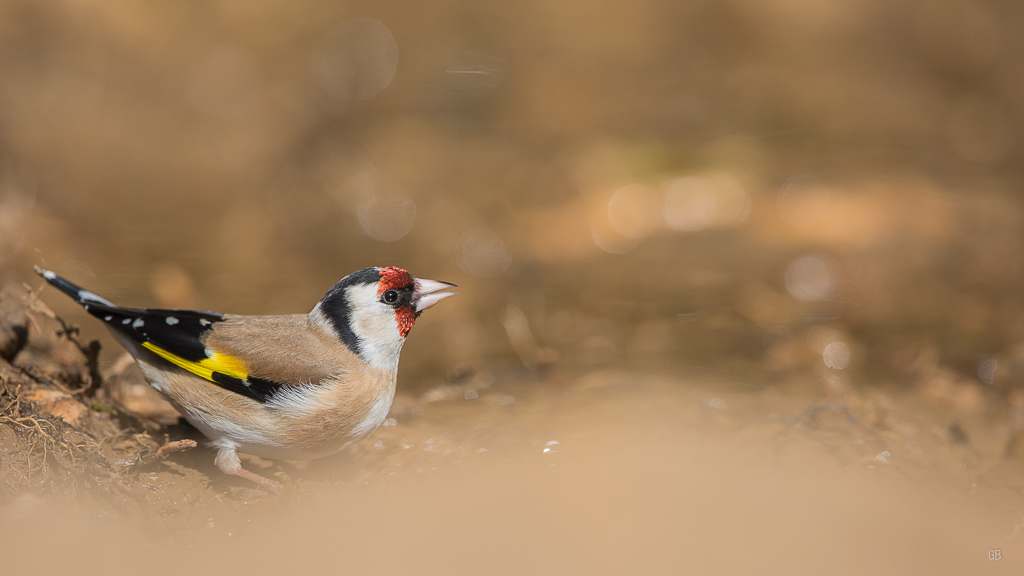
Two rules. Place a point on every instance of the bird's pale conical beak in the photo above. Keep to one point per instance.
(428, 293)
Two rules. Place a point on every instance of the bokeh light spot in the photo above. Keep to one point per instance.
(484, 253)
(609, 240)
(356, 59)
(811, 278)
(836, 355)
(987, 370)
(732, 205)
(689, 204)
(632, 211)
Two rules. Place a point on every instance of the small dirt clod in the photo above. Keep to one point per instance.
(59, 432)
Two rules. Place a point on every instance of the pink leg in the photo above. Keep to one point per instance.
(228, 462)
(267, 483)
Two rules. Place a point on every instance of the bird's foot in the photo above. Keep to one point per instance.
(267, 483)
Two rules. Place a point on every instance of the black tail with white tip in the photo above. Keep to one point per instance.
(77, 293)
(174, 335)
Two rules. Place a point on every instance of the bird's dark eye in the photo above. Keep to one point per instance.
(391, 296)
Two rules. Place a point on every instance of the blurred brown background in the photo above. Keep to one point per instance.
(792, 189)
(740, 280)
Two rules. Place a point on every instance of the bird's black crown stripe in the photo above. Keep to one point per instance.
(364, 276)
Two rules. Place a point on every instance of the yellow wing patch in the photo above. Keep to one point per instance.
(227, 365)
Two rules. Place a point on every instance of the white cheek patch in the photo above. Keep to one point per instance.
(373, 322)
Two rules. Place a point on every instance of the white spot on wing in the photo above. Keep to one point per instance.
(138, 323)
(204, 322)
(172, 320)
(126, 321)
(49, 275)
(108, 318)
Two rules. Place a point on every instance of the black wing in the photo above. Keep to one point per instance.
(175, 335)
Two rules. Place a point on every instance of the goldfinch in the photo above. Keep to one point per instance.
(293, 387)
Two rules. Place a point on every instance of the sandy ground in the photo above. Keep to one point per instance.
(606, 472)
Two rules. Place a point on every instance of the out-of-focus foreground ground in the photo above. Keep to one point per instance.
(740, 282)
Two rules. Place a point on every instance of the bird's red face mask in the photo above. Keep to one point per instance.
(424, 294)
